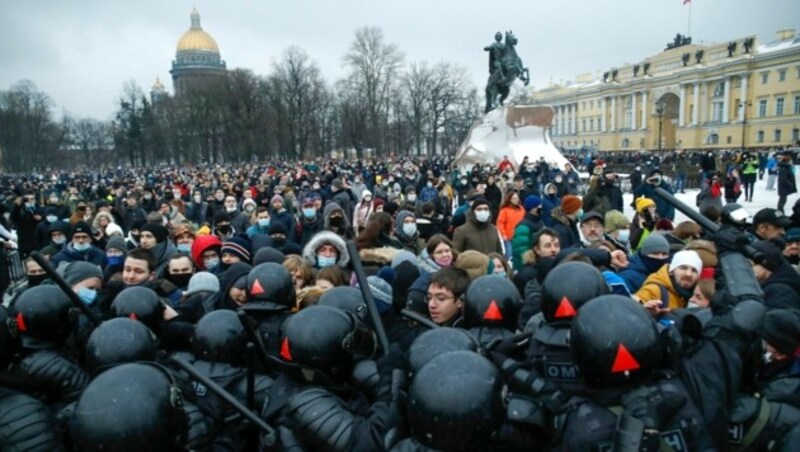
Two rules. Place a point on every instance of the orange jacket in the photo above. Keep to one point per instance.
(509, 218)
(651, 289)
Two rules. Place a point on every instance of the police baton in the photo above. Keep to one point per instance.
(255, 338)
(362, 282)
(704, 222)
(422, 320)
(225, 395)
(73, 297)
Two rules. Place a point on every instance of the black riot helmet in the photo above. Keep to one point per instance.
(454, 401)
(327, 340)
(567, 287)
(437, 341)
(42, 315)
(614, 341)
(118, 341)
(142, 304)
(130, 407)
(272, 283)
(220, 337)
(26, 423)
(491, 301)
(347, 299)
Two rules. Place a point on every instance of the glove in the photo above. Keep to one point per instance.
(729, 239)
(511, 345)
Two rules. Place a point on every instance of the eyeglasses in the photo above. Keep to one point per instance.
(437, 299)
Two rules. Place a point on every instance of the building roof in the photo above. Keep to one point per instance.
(196, 39)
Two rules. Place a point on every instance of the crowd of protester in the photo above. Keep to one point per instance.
(490, 255)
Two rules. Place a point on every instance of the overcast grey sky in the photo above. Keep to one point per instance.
(81, 52)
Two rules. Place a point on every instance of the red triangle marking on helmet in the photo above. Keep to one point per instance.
(133, 316)
(285, 352)
(624, 360)
(21, 322)
(256, 289)
(565, 309)
(493, 312)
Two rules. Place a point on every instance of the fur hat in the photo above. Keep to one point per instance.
(615, 220)
(326, 238)
(706, 250)
(473, 262)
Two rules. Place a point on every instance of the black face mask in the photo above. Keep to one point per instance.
(278, 242)
(181, 280)
(35, 280)
(224, 229)
(337, 221)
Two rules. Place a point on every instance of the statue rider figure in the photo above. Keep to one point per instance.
(496, 52)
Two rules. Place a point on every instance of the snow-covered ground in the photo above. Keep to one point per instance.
(761, 199)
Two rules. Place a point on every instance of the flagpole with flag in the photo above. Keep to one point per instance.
(689, 26)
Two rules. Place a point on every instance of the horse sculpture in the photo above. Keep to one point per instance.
(502, 75)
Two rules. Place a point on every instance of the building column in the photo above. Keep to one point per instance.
(633, 111)
(743, 100)
(557, 108)
(575, 118)
(682, 106)
(696, 105)
(571, 119)
(726, 101)
(645, 109)
(605, 115)
(613, 113)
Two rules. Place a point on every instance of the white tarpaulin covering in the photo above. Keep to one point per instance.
(518, 131)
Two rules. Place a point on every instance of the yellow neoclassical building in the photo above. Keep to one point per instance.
(722, 96)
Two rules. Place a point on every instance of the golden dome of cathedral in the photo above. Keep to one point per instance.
(196, 38)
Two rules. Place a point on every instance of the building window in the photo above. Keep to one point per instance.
(599, 123)
(728, 140)
(626, 142)
(797, 105)
(760, 136)
(591, 124)
(591, 104)
(779, 106)
(717, 113)
(762, 108)
(713, 139)
(795, 135)
(583, 125)
(777, 135)
(764, 78)
(719, 90)
(782, 75)
(691, 114)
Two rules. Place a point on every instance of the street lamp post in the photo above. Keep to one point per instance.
(743, 106)
(660, 111)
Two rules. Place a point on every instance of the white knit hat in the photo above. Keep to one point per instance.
(686, 257)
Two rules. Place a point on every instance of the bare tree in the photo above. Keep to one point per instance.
(373, 65)
(416, 83)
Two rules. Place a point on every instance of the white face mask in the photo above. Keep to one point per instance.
(624, 235)
(692, 304)
(412, 198)
(482, 215)
(409, 229)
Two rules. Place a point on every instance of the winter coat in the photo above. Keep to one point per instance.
(638, 269)
(567, 229)
(509, 218)
(548, 204)
(787, 184)
(426, 263)
(782, 288)
(664, 209)
(474, 235)
(652, 290)
(522, 240)
(68, 254)
(596, 200)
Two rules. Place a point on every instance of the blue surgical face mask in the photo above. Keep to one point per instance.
(624, 235)
(263, 223)
(81, 247)
(185, 248)
(310, 212)
(114, 261)
(580, 213)
(212, 263)
(52, 218)
(88, 296)
(409, 229)
(323, 262)
(482, 215)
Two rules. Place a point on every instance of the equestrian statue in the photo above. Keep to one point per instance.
(505, 66)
